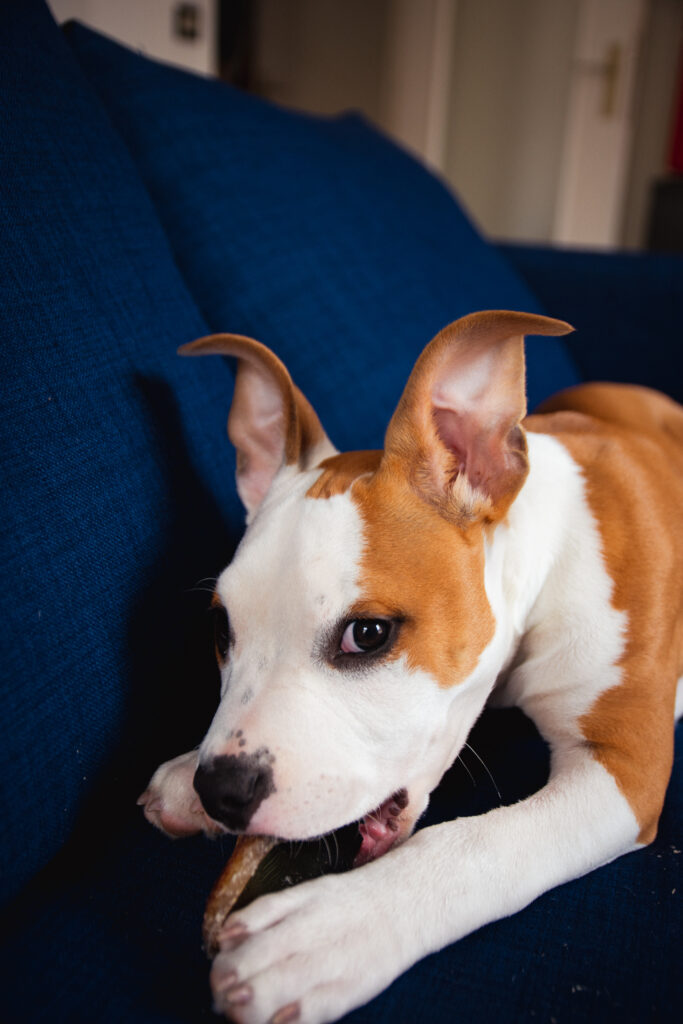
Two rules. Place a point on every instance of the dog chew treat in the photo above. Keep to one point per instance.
(261, 864)
(243, 864)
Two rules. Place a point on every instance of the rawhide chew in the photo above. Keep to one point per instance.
(242, 866)
(261, 864)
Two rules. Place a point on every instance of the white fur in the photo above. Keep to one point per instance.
(552, 590)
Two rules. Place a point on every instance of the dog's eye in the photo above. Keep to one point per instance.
(221, 631)
(363, 636)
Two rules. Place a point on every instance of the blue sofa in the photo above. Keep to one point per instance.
(141, 207)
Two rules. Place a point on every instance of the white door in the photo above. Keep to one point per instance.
(598, 132)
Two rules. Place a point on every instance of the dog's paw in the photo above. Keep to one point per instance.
(170, 802)
(308, 954)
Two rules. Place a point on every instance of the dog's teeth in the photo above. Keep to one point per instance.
(392, 824)
(401, 798)
(394, 809)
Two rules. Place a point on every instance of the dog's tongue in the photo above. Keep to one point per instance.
(380, 829)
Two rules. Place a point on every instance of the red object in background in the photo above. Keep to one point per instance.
(676, 158)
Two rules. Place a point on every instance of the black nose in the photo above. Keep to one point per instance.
(232, 787)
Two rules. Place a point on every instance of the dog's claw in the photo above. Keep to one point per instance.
(286, 1014)
(232, 938)
(238, 995)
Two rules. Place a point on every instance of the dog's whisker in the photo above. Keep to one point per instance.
(336, 849)
(465, 766)
(486, 769)
(201, 588)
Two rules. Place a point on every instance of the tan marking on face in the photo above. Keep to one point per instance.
(340, 471)
(629, 442)
(421, 569)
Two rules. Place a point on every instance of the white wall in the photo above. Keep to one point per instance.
(147, 25)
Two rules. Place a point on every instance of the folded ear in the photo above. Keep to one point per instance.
(457, 428)
(271, 424)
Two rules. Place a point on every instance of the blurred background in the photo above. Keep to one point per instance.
(555, 121)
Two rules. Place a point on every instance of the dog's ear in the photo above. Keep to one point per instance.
(271, 423)
(457, 428)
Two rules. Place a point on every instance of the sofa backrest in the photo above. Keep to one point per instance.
(117, 494)
(317, 236)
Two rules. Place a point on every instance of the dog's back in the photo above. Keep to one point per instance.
(628, 442)
(626, 406)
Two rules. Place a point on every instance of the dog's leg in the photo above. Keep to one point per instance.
(170, 802)
(315, 951)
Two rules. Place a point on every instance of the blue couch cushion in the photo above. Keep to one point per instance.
(107, 458)
(629, 306)
(318, 237)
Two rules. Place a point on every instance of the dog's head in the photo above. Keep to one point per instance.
(354, 632)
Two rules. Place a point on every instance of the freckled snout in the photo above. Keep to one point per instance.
(231, 787)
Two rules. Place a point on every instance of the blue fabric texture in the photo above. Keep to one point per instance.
(105, 453)
(318, 237)
(628, 308)
(116, 937)
(127, 231)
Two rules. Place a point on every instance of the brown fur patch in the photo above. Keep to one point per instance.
(419, 568)
(629, 443)
(416, 566)
(340, 471)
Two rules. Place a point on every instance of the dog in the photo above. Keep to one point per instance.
(379, 600)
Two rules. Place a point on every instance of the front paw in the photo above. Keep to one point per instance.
(170, 802)
(308, 954)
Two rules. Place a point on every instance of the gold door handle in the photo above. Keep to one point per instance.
(610, 86)
(609, 70)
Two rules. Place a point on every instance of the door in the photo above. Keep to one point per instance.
(598, 132)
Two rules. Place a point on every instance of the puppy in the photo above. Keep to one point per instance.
(379, 600)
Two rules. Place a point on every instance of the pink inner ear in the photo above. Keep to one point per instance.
(256, 426)
(479, 452)
(450, 427)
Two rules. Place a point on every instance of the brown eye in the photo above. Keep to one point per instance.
(363, 636)
(221, 631)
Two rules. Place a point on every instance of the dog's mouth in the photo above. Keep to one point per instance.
(381, 828)
(291, 862)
